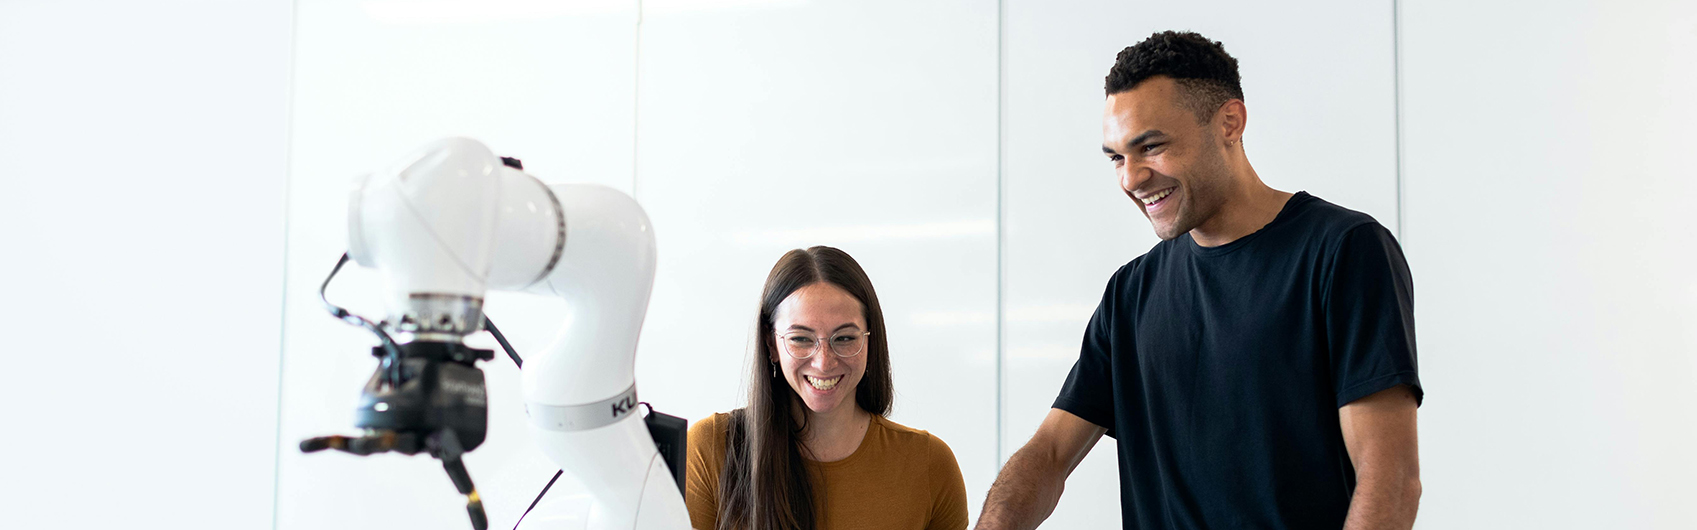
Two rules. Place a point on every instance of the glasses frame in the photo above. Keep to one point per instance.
(783, 344)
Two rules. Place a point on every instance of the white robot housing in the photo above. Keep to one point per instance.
(449, 223)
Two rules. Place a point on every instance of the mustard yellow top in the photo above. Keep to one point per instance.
(898, 479)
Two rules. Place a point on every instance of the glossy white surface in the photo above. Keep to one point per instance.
(1318, 83)
(869, 126)
(631, 485)
(374, 80)
(141, 247)
(605, 276)
(427, 225)
(1550, 231)
(427, 222)
(532, 229)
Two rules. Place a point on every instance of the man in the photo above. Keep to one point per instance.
(1256, 367)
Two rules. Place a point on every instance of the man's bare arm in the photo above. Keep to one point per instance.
(1030, 485)
(1379, 432)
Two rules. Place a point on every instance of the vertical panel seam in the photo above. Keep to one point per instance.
(1001, 231)
(283, 311)
(1396, 98)
(635, 98)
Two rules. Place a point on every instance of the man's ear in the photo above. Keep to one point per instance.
(1230, 121)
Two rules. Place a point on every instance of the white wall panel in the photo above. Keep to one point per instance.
(1548, 190)
(550, 83)
(1318, 80)
(141, 217)
(1555, 326)
(869, 126)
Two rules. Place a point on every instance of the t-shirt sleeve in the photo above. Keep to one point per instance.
(1370, 316)
(948, 489)
(701, 480)
(1088, 391)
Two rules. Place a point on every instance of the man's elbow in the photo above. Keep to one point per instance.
(1411, 492)
(1399, 489)
(1408, 478)
(1402, 487)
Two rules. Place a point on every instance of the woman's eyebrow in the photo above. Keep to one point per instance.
(839, 328)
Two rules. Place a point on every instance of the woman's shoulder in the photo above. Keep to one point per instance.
(714, 423)
(923, 452)
(909, 440)
(707, 435)
(705, 462)
(899, 430)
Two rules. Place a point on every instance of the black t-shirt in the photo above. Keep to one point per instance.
(1219, 371)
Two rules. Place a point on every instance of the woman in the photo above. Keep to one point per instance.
(812, 450)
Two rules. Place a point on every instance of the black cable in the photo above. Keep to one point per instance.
(393, 360)
(538, 498)
(490, 325)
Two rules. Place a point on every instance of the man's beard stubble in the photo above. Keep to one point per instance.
(1205, 195)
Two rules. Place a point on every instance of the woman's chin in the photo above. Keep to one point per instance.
(825, 402)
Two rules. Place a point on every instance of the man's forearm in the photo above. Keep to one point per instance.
(1384, 504)
(1025, 492)
(1381, 433)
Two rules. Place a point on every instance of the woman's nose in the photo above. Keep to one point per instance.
(824, 360)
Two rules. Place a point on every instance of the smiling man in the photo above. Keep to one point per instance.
(1256, 368)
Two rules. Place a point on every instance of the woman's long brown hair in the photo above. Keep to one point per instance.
(765, 483)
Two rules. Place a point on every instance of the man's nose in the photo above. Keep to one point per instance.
(1133, 177)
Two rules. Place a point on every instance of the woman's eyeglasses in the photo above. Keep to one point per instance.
(803, 345)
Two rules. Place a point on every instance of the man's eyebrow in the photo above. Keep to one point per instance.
(1142, 138)
(1139, 140)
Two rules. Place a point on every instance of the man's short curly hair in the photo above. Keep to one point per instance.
(1204, 71)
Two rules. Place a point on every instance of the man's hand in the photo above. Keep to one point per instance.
(1030, 485)
(1379, 433)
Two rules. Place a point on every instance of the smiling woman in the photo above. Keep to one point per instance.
(813, 450)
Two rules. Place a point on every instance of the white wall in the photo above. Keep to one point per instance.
(1543, 190)
(869, 126)
(1548, 188)
(142, 155)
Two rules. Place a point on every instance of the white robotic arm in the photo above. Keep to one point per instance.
(452, 222)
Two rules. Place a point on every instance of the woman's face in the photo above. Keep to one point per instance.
(825, 381)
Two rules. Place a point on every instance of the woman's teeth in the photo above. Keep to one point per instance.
(822, 384)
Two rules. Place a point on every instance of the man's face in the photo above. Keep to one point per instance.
(1170, 165)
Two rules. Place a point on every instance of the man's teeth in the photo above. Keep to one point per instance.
(1157, 198)
(823, 384)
